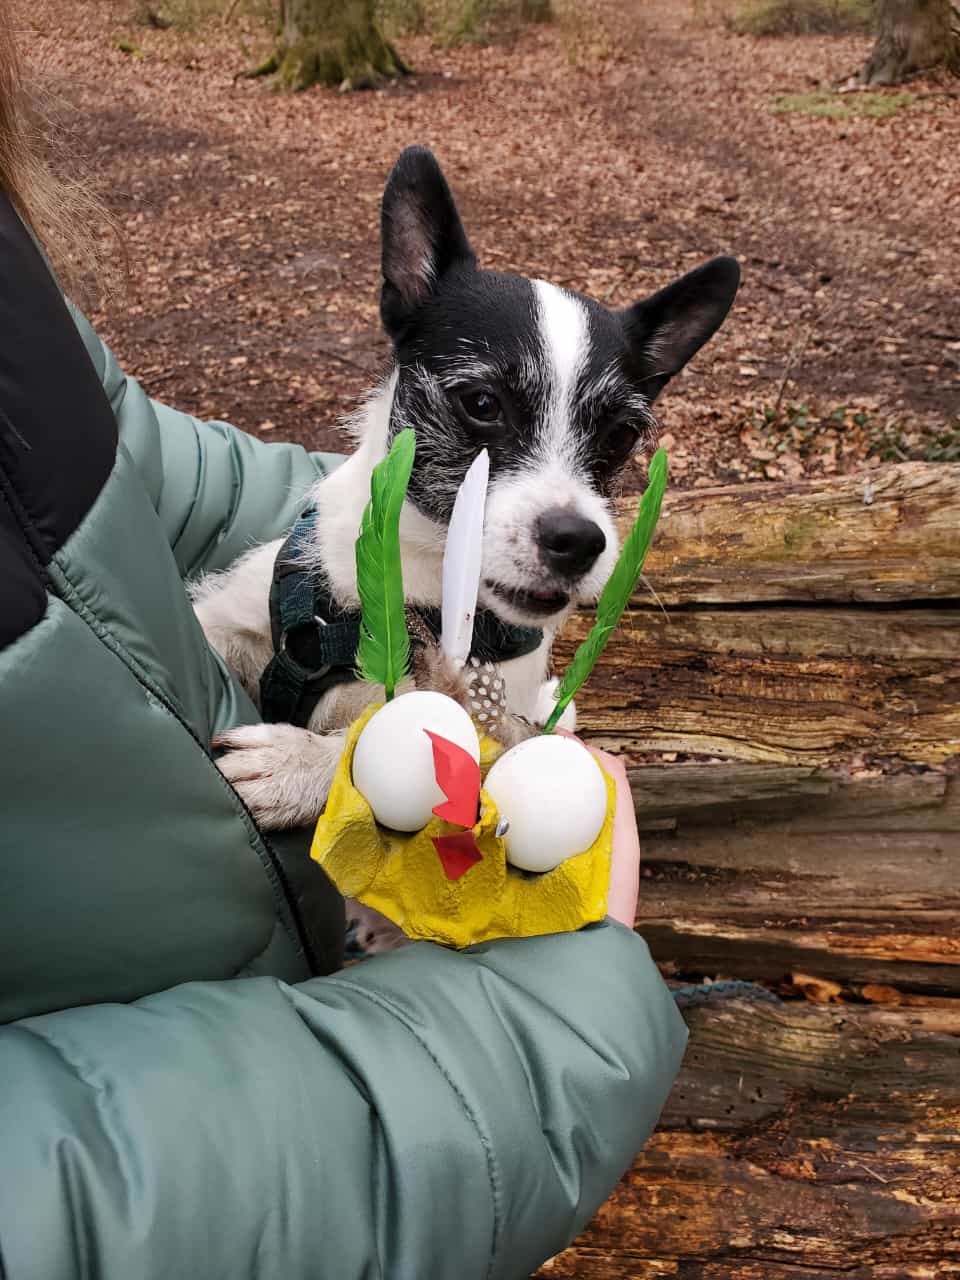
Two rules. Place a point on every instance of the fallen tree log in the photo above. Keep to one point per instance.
(782, 684)
(836, 630)
(885, 537)
(760, 872)
(792, 719)
(803, 680)
(800, 1143)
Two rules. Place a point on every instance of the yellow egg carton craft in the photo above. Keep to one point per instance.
(431, 822)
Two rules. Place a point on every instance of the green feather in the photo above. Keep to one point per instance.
(384, 650)
(620, 587)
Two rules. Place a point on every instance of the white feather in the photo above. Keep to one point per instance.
(461, 562)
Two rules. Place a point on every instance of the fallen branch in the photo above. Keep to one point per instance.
(797, 353)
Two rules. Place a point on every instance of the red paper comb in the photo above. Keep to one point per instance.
(458, 777)
(457, 853)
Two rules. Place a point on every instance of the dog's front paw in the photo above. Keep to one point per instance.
(281, 773)
(372, 932)
(547, 700)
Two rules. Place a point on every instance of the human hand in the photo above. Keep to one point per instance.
(625, 867)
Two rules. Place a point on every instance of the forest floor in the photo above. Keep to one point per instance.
(606, 152)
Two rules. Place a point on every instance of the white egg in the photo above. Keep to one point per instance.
(552, 793)
(393, 759)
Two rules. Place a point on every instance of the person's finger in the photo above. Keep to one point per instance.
(625, 864)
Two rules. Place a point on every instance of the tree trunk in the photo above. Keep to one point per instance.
(536, 10)
(333, 42)
(913, 36)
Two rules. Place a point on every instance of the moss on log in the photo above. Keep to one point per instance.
(883, 537)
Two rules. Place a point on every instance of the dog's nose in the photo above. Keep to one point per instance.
(569, 544)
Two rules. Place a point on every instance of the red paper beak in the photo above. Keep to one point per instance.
(458, 777)
(457, 853)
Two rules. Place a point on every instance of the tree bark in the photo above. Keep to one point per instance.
(536, 10)
(808, 637)
(807, 644)
(913, 36)
(886, 537)
(801, 1142)
(849, 878)
(333, 42)
(800, 625)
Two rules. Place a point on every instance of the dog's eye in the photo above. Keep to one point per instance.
(481, 406)
(619, 441)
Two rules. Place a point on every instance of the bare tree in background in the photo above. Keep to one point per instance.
(331, 42)
(340, 42)
(913, 36)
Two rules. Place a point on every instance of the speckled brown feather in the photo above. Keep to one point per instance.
(478, 687)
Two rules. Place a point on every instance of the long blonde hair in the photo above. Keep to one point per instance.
(63, 213)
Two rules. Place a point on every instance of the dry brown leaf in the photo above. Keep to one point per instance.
(251, 218)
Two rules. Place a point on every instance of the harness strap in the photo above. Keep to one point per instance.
(315, 640)
(301, 669)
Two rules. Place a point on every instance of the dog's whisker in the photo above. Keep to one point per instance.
(650, 587)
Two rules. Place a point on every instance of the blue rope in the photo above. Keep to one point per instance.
(707, 992)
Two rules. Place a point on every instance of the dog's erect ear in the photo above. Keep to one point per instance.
(422, 235)
(671, 326)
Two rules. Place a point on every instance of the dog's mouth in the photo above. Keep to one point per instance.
(537, 604)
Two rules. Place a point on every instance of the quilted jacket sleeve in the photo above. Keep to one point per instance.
(217, 490)
(425, 1114)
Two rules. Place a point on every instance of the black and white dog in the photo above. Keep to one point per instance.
(557, 387)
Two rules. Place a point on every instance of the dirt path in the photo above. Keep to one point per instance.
(252, 220)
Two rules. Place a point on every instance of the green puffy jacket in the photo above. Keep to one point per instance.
(180, 1094)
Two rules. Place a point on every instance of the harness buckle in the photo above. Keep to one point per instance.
(311, 673)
